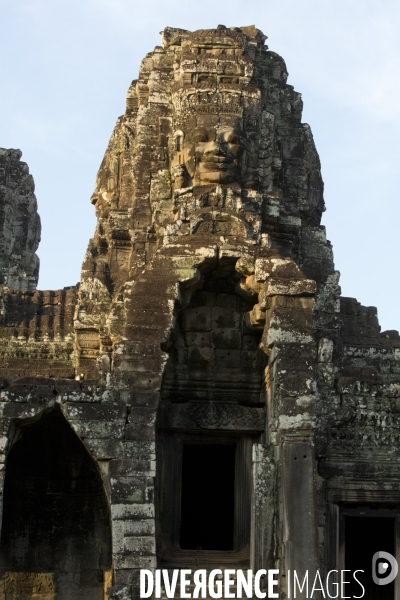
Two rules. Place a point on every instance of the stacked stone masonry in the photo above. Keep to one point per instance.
(208, 312)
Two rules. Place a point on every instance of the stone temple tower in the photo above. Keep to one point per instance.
(205, 398)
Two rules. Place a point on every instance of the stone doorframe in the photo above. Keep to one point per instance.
(169, 461)
(343, 502)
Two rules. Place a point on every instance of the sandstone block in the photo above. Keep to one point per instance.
(228, 358)
(127, 511)
(226, 338)
(197, 319)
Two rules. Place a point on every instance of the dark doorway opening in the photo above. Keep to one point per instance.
(207, 500)
(56, 533)
(364, 536)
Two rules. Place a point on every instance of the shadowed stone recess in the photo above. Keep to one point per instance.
(54, 502)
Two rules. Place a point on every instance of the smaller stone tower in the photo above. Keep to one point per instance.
(19, 224)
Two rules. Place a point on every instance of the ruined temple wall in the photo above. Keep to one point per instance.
(160, 230)
(362, 429)
(132, 364)
(36, 327)
(357, 424)
(147, 195)
(37, 334)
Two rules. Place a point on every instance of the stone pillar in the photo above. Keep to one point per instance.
(287, 304)
(139, 361)
(263, 509)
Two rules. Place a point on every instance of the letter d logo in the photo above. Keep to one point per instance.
(381, 567)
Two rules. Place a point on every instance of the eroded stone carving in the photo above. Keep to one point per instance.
(215, 149)
(19, 223)
(212, 415)
(202, 150)
(27, 584)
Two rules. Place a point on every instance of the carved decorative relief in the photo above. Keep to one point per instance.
(212, 415)
(35, 585)
(370, 425)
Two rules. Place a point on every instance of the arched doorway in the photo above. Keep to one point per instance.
(56, 537)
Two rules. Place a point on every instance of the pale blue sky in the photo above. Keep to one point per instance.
(66, 65)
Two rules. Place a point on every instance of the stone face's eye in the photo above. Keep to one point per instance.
(232, 137)
(200, 135)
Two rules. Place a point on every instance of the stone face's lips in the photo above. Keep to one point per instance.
(215, 162)
(216, 166)
(218, 160)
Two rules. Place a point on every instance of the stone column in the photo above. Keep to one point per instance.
(139, 361)
(286, 304)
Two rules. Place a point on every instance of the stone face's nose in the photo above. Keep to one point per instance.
(215, 148)
(216, 152)
(221, 148)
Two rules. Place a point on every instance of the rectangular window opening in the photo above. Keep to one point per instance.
(207, 500)
(364, 536)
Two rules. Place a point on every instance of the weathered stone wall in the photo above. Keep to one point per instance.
(37, 334)
(209, 309)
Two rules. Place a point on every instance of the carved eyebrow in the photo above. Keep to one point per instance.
(200, 134)
(229, 135)
(229, 129)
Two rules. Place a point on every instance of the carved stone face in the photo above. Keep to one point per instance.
(214, 152)
(214, 148)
